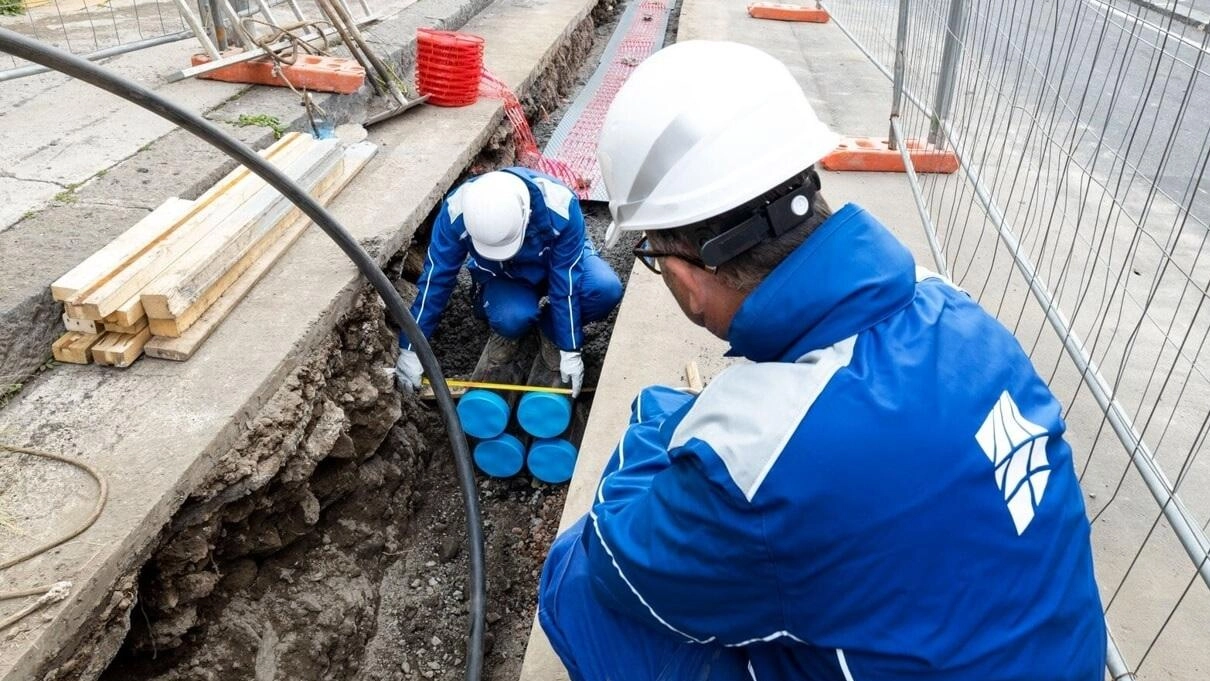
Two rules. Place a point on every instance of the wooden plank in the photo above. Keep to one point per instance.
(182, 348)
(117, 253)
(173, 328)
(131, 329)
(120, 349)
(693, 377)
(74, 348)
(197, 270)
(58, 348)
(168, 216)
(80, 325)
(128, 314)
(74, 311)
(106, 298)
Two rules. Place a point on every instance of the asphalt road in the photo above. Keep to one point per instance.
(1124, 89)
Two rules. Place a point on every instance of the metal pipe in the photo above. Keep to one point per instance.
(199, 30)
(1114, 662)
(950, 57)
(347, 39)
(900, 70)
(930, 232)
(388, 76)
(221, 37)
(35, 69)
(237, 24)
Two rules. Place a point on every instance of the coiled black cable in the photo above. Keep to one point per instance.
(71, 65)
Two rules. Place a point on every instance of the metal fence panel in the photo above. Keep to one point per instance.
(1080, 218)
(93, 26)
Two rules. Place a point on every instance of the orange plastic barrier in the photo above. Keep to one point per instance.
(871, 155)
(310, 72)
(780, 12)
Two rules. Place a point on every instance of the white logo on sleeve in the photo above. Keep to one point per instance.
(1016, 447)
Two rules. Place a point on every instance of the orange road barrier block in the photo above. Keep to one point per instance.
(780, 12)
(310, 72)
(871, 155)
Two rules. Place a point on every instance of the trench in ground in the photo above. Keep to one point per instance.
(348, 560)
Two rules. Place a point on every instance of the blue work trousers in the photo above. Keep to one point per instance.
(597, 644)
(512, 307)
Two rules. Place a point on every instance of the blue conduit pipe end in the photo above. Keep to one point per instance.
(500, 457)
(544, 414)
(552, 460)
(483, 414)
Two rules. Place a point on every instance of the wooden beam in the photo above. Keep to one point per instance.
(128, 330)
(117, 253)
(693, 377)
(168, 216)
(120, 349)
(80, 325)
(197, 270)
(74, 348)
(180, 322)
(103, 300)
(183, 347)
(128, 314)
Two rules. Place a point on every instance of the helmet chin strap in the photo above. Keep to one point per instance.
(768, 222)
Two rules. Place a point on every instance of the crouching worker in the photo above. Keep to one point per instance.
(884, 492)
(521, 235)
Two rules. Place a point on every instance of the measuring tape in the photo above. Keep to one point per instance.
(454, 383)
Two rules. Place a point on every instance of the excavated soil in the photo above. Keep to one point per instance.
(330, 543)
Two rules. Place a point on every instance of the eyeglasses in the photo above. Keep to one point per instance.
(650, 257)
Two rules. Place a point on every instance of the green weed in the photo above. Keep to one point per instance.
(263, 121)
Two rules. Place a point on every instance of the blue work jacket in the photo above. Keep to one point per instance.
(549, 259)
(884, 494)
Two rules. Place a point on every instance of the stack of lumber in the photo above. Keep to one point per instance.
(163, 286)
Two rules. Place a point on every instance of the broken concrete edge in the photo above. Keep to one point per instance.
(124, 191)
(125, 550)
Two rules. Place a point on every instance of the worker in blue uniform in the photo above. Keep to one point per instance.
(521, 234)
(884, 492)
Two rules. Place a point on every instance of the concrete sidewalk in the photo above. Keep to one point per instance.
(159, 430)
(652, 341)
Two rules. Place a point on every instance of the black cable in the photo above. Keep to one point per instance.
(71, 65)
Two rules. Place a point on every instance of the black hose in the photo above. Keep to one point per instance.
(71, 65)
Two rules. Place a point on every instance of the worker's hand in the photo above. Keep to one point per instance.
(571, 369)
(408, 371)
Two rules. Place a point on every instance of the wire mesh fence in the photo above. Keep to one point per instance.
(104, 28)
(89, 27)
(1080, 218)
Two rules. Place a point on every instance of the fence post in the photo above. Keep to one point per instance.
(900, 68)
(944, 100)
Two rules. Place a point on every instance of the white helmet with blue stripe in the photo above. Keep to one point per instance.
(700, 128)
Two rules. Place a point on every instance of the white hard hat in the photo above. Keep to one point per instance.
(495, 209)
(702, 127)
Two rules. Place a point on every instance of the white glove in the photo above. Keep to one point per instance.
(571, 370)
(408, 371)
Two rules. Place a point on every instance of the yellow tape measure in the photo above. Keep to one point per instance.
(455, 383)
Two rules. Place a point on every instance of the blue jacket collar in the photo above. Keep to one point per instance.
(847, 276)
